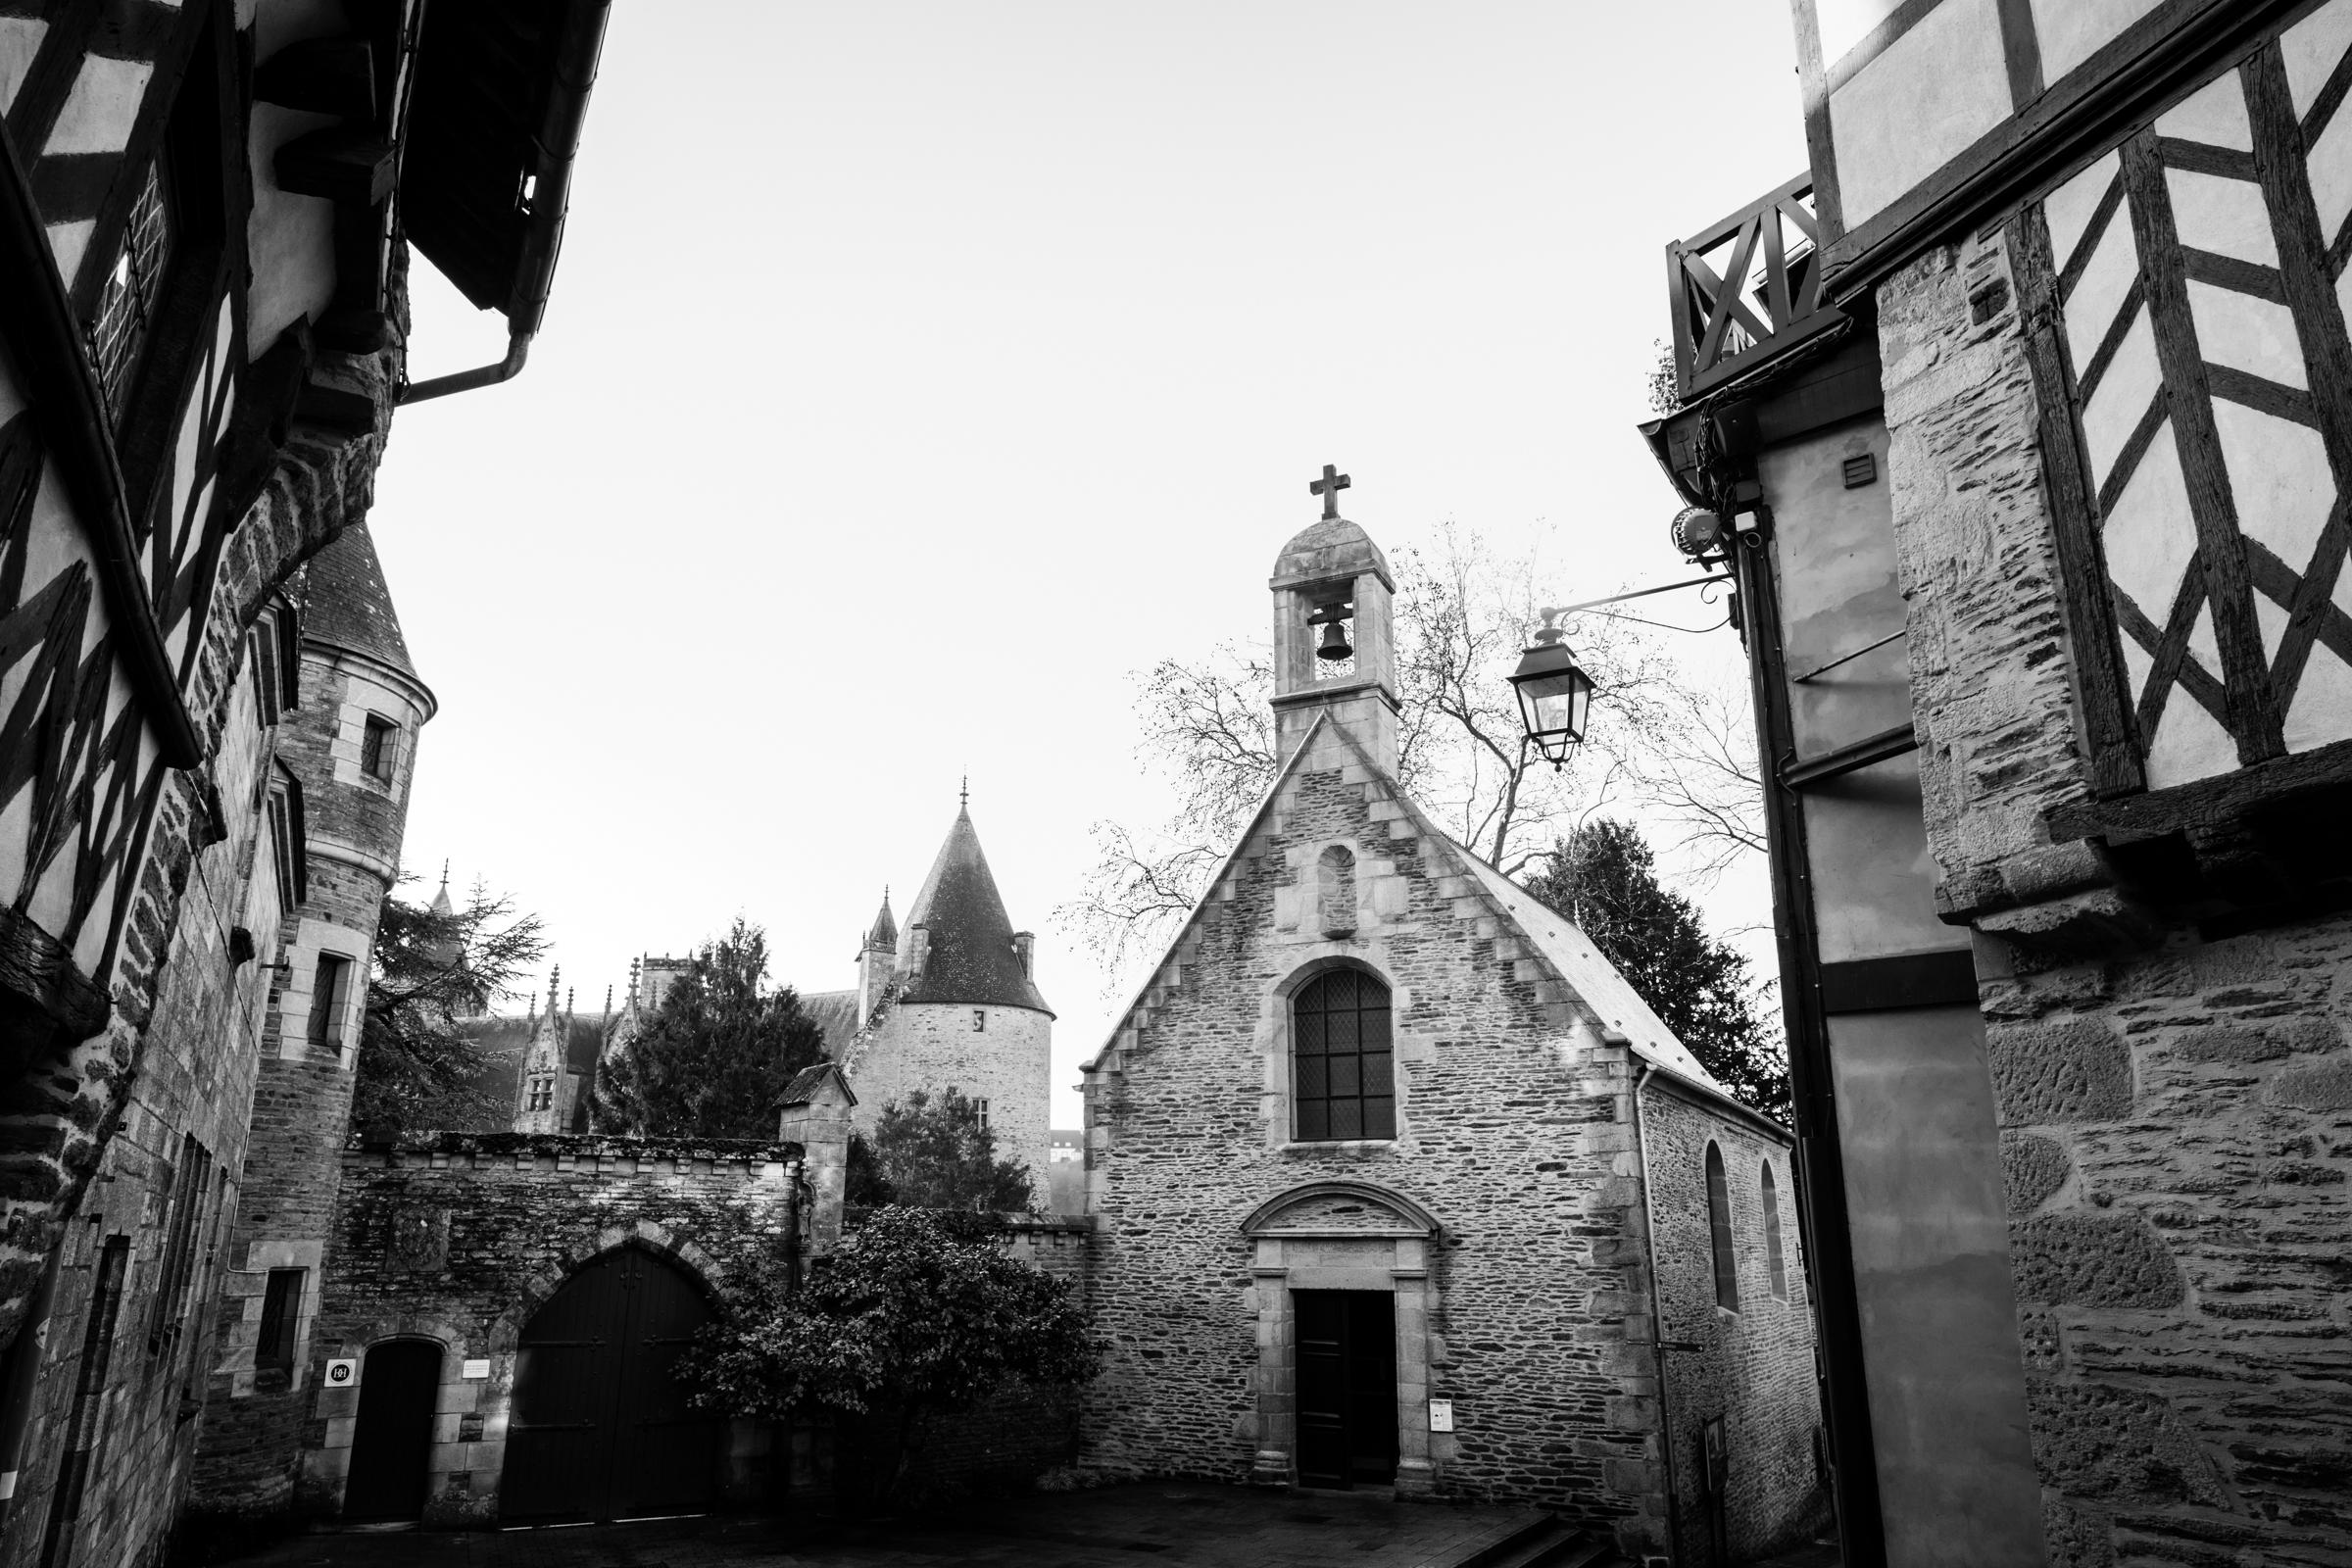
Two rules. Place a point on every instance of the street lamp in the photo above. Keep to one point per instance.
(1555, 696)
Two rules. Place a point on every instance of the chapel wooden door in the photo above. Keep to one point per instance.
(1346, 1382)
(599, 1426)
(392, 1438)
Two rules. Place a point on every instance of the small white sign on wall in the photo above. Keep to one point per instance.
(479, 1369)
(342, 1372)
(1440, 1415)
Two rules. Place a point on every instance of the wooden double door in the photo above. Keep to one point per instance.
(1347, 1383)
(599, 1426)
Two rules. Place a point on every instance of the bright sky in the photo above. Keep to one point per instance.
(915, 372)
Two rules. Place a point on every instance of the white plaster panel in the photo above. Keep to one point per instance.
(2201, 646)
(2312, 48)
(2330, 168)
(2271, 617)
(2121, 398)
(2188, 745)
(2071, 31)
(1846, 23)
(2099, 292)
(67, 242)
(2069, 208)
(2224, 215)
(2139, 664)
(20, 41)
(2151, 536)
(2246, 333)
(1919, 105)
(2322, 712)
(2279, 475)
(2215, 115)
(291, 238)
(99, 109)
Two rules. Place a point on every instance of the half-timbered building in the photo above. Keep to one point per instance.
(2024, 421)
(206, 212)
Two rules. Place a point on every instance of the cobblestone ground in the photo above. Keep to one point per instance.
(1127, 1526)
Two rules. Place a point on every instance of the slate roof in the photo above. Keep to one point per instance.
(836, 1013)
(885, 930)
(349, 602)
(971, 958)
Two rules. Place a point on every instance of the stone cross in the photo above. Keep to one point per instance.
(1329, 488)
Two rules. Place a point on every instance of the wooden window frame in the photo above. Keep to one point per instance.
(330, 997)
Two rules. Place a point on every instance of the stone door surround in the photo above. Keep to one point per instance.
(1340, 1236)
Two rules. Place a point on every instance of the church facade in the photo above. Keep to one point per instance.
(1396, 1182)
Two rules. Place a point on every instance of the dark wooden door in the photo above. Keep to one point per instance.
(1346, 1385)
(392, 1441)
(599, 1426)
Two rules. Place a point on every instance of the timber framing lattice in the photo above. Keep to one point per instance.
(2196, 375)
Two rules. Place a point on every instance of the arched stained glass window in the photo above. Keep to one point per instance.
(1773, 1259)
(1719, 1224)
(1341, 1073)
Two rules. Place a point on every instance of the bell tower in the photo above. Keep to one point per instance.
(1334, 650)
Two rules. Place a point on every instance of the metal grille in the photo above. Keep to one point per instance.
(127, 307)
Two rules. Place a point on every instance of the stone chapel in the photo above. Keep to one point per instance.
(1397, 1183)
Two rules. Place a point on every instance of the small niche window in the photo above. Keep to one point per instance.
(983, 1104)
(1719, 1227)
(330, 990)
(542, 1093)
(128, 304)
(979, 1019)
(1335, 891)
(1340, 1067)
(378, 747)
(281, 1316)
(1774, 1262)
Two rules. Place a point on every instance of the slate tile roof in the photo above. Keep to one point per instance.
(971, 957)
(349, 604)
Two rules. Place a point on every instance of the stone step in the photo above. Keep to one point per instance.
(1504, 1544)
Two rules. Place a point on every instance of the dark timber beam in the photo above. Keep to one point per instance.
(324, 75)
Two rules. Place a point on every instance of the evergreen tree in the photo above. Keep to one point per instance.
(928, 1153)
(1604, 878)
(715, 1057)
(435, 968)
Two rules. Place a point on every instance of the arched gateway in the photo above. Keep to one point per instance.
(601, 1428)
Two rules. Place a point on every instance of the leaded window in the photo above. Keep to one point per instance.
(1342, 1082)
(1719, 1231)
(128, 304)
(1776, 1263)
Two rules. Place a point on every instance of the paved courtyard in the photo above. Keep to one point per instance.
(1165, 1522)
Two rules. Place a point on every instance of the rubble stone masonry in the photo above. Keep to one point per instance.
(2175, 1112)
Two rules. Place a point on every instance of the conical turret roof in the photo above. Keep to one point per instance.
(349, 602)
(970, 958)
(884, 933)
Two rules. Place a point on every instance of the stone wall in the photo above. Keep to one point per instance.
(1512, 1132)
(104, 1481)
(1752, 1369)
(933, 1046)
(2175, 1112)
(504, 1218)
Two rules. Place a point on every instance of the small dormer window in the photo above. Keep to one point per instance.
(979, 1019)
(377, 748)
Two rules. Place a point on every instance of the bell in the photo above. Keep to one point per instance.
(1335, 641)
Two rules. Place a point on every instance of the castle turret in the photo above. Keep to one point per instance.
(351, 744)
(967, 1014)
(1334, 651)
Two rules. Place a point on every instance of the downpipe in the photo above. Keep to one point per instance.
(519, 349)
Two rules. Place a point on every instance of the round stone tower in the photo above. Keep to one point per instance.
(351, 749)
(963, 1010)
